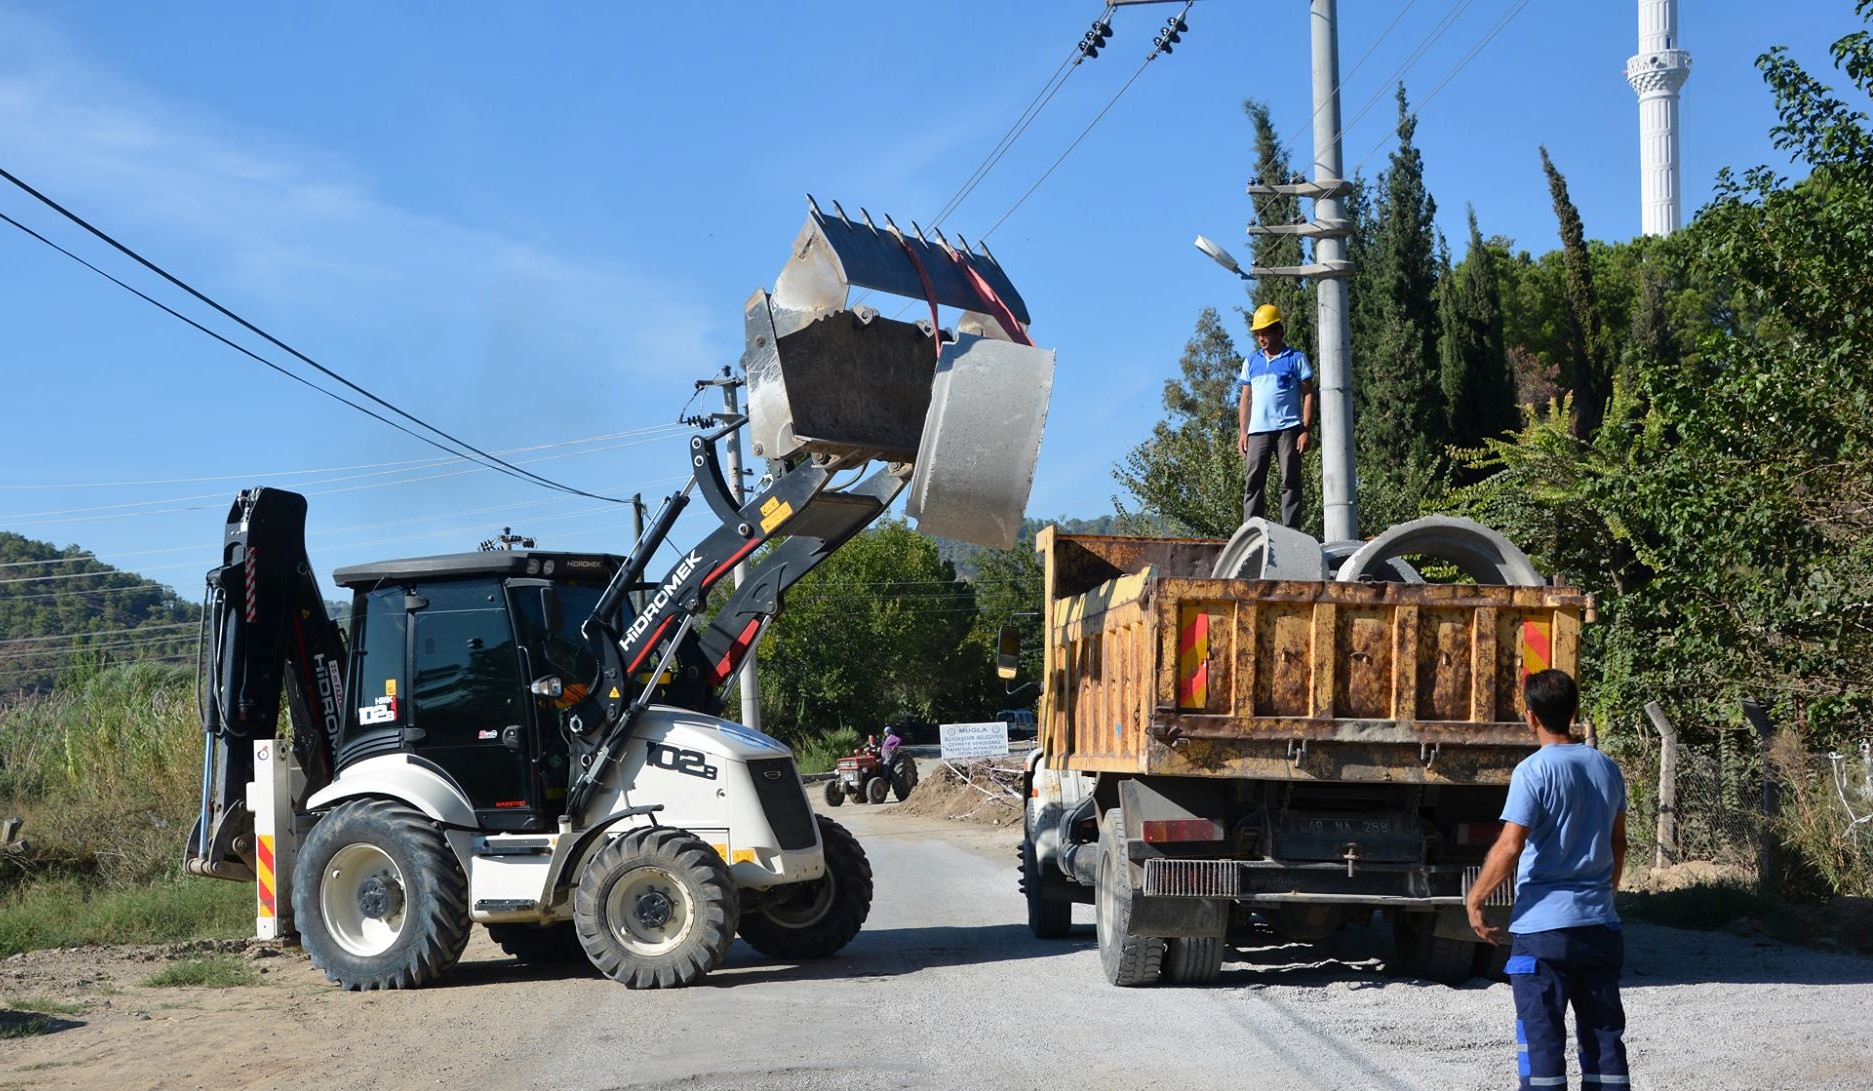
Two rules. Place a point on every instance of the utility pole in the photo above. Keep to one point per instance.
(731, 412)
(1339, 482)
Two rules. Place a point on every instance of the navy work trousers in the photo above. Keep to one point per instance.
(1552, 971)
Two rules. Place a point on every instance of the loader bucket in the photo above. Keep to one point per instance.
(965, 409)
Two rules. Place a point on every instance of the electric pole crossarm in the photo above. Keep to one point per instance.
(1324, 189)
(1318, 271)
(1319, 229)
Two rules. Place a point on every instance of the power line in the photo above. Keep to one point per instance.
(1482, 43)
(1437, 31)
(118, 511)
(96, 632)
(491, 461)
(1069, 149)
(1287, 146)
(413, 463)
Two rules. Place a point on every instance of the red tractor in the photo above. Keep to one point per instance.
(865, 778)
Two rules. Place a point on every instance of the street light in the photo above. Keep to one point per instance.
(1221, 257)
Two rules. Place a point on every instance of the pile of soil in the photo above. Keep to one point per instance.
(986, 793)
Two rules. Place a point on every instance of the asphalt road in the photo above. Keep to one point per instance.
(946, 988)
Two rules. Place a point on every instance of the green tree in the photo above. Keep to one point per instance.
(1288, 293)
(1479, 392)
(1585, 371)
(1188, 473)
(1723, 509)
(882, 630)
(1401, 428)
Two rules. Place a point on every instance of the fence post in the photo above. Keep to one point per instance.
(1769, 848)
(1667, 852)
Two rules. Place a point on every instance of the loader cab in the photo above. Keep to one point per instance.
(445, 654)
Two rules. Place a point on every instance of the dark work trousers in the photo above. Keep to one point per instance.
(1552, 971)
(1255, 486)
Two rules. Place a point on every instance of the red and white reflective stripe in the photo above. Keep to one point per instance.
(253, 595)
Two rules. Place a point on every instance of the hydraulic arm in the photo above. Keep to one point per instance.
(265, 628)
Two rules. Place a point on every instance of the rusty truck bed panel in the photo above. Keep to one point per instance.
(1157, 668)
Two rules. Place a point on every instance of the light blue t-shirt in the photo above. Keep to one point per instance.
(1275, 388)
(1568, 795)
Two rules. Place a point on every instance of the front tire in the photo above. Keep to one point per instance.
(835, 793)
(816, 918)
(876, 789)
(380, 901)
(1128, 960)
(656, 909)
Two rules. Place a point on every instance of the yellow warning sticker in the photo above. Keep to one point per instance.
(720, 850)
(743, 856)
(390, 687)
(774, 513)
(615, 695)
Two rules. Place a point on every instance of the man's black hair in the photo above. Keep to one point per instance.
(1554, 698)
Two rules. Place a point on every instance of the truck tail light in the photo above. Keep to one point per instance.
(1478, 833)
(1160, 831)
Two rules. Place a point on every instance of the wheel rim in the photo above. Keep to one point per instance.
(649, 911)
(362, 899)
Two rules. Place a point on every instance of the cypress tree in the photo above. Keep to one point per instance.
(1402, 425)
(1272, 166)
(1582, 370)
(1479, 391)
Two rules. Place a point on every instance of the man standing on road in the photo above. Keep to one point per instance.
(1273, 413)
(1565, 821)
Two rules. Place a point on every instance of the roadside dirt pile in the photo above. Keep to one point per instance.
(984, 792)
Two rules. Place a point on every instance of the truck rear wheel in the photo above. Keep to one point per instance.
(1424, 953)
(380, 900)
(1047, 919)
(816, 918)
(1189, 961)
(538, 944)
(656, 909)
(1127, 960)
(835, 792)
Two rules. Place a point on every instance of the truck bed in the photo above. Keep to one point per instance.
(1155, 667)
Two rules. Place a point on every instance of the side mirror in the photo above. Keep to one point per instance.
(1008, 653)
(548, 686)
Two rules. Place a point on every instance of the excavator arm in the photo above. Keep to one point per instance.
(266, 631)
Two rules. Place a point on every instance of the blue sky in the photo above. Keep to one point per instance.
(535, 225)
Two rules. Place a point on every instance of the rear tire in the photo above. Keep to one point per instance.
(835, 793)
(1423, 953)
(656, 909)
(816, 918)
(876, 789)
(1047, 919)
(1190, 961)
(904, 779)
(1128, 960)
(380, 900)
(538, 944)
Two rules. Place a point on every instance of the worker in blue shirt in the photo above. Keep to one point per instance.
(1564, 837)
(1273, 414)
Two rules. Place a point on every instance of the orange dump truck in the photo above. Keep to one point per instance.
(1218, 756)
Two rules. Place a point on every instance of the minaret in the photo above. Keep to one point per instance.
(1656, 73)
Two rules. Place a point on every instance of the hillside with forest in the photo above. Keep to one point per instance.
(61, 610)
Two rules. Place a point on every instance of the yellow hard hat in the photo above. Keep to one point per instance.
(1266, 315)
